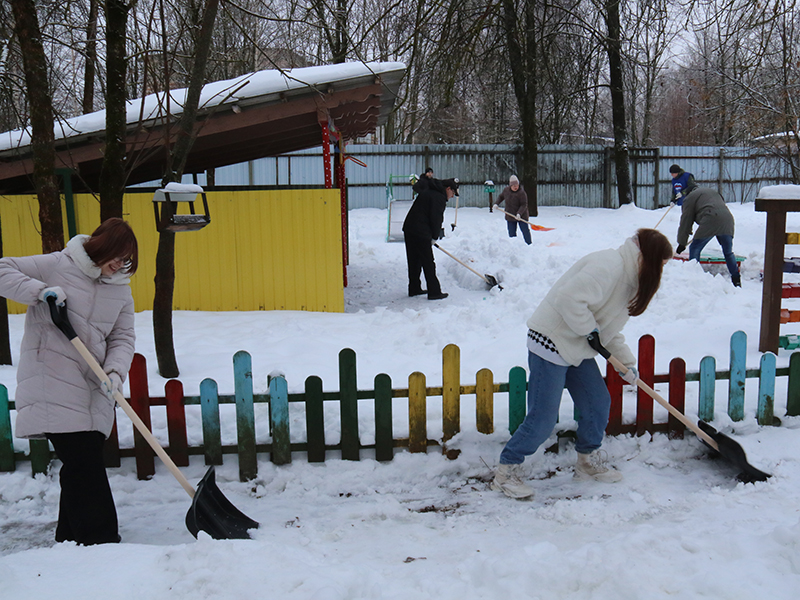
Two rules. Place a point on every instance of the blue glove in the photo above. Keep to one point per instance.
(53, 292)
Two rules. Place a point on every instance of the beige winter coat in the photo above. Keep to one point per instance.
(593, 294)
(56, 390)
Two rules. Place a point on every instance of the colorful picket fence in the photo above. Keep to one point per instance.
(350, 447)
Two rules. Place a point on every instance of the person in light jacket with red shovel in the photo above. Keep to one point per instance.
(598, 293)
(58, 397)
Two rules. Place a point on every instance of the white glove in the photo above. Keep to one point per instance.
(54, 292)
(496, 207)
(631, 375)
(115, 382)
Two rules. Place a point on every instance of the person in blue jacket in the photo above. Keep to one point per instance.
(682, 184)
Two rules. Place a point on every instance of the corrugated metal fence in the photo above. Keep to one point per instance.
(569, 175)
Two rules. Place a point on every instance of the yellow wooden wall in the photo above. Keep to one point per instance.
(263, 250)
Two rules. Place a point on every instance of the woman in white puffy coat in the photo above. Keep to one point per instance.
(597, 294)
(58, 397)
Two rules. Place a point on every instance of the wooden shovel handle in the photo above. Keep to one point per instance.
(137, 421)
(672, 410)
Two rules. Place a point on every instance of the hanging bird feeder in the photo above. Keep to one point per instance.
(173, 196)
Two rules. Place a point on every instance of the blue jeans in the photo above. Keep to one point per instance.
(545, 387)
(523, 227)
(726, 241)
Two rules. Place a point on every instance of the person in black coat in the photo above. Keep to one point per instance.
(421, 229)
(424, 181)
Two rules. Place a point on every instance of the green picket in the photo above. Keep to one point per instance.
(708, 373)
(209, 411)
(40, 456)
(517, 397)
(245, 415)
(6, 438)
(766, 390)
(738, 371)
(348, 405)
(793, 392)
(279, 413)
(384, 440)
(315, 420)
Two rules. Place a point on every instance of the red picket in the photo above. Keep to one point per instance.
(647, 367)
(614, 384)
(140, 401)
(176, 423)
(677, 396)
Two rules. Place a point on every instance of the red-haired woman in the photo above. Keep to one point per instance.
(58, 397)
(598, 293)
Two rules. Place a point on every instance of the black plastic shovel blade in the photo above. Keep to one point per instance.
(492, 281)
(213, 513)
(732, 451)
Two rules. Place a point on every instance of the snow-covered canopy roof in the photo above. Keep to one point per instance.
(265, 113)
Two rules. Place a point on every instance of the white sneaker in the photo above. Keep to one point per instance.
(593, 466)
(507, 479)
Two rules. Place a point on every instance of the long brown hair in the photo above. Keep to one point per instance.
(113, 239)
(655, 249)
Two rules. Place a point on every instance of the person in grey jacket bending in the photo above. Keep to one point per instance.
(706, 207)
(597, 294)
(58, 397)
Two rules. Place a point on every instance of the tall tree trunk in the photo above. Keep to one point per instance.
(112, 172)
(523, 62)
(26, 27)
(91, 58)
(165, 256)
(614, 49)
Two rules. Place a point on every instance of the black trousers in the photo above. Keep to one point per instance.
(419, 255)
(86, 511)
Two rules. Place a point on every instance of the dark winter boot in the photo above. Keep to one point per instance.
(737, 280)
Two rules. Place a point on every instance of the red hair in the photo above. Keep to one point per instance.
(113, 239)
(655, 249)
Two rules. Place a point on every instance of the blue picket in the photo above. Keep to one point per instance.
(279, 413)
(209, 411)
(766, 390)
(738, 373)
(245, 415)
(708, 373)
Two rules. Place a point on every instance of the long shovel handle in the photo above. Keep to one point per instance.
(463, 264)
(594, 341)
(521, 220)
(60, 320)
(664, 215)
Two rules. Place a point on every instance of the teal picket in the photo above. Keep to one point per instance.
(209, 411)
(384, 439)
(6, 438)
(245, 415)
(315, 420)
(517, 395)
(705, 407)
(738, 372)
(793, 387)
(348, 405)
(40, 456)
(279, 413)
(766, 390)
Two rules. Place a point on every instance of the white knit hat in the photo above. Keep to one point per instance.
(513, 180)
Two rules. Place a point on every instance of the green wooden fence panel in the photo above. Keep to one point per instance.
(766, 390)
(705, 405)
(40, 456)
(7, 462)
(315, 420)
(738, 372)
(348, 405)
(279, 413)
(245, 415)
(209, 411)
(793, 392)
(384, 439)
(517, 397)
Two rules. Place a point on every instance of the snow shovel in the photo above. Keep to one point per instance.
(455, 218)
(521, 220)
(718, 442)
(664, 215)
(210, 511)
(489, 279)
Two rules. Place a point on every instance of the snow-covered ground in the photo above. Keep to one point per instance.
(677, 526)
